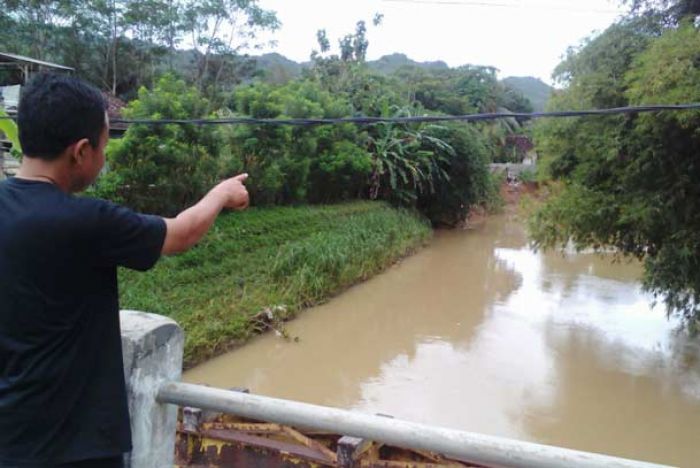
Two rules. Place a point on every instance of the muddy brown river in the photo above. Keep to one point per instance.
(478, 332)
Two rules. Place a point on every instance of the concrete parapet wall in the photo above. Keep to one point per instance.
(152, 348)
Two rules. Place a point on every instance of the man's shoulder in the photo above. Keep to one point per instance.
(48, 204)
(79, 207)
(86, 202)
(99, 212)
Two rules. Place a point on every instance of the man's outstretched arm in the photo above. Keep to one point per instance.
(187, 228)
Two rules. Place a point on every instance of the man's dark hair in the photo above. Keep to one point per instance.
(56, 111)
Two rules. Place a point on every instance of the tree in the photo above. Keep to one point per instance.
(513, 100)
(163, 169)
(297, 164)
(668, 12)
(34, 22)
(630, 183)
(336, 72)
(121, 45)
(467, 182)
(109, 42)
(407, 161)
(219, 30)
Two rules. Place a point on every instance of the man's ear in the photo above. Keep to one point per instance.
(80, 151)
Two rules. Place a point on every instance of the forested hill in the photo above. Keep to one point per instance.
(392, 63)
(534, 89)
(277, 69)
(276, 65)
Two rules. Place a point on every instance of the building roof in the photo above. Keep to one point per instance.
(9, 58)
(114, 111)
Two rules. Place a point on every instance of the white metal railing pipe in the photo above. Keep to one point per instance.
(473, 447)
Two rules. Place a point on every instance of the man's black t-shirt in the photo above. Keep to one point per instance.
(62, 391)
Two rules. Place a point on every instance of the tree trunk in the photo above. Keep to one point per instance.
(114, 67)
(115, 42)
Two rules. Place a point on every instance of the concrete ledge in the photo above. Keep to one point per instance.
(152, 347)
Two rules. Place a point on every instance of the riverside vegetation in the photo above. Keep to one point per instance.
(389, 182)
(631, 183)
(257, 268)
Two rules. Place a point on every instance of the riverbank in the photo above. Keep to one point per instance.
(510, 201)
(258, 268)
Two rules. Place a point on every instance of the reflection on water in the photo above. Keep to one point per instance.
(477, 332)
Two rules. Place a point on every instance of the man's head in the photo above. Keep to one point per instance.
(63, 120)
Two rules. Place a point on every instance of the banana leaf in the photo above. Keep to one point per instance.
(9, 128)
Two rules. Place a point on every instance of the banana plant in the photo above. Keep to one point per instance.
(406, 162)
(9, 128)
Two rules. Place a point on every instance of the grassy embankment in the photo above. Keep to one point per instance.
(261, 259)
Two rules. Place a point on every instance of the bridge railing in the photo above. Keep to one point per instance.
(153, 357)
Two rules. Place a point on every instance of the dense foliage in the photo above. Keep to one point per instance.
(161, 169)
(121, 45)
(131, 48)
(630, 182)
(665, 12)
(441, 170)
(294, 164)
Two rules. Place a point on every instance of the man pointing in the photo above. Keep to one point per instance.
(62, 391)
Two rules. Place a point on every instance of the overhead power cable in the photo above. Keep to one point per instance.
(417, 119)
(413, 119)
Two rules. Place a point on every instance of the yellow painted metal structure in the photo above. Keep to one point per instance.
(223, 440)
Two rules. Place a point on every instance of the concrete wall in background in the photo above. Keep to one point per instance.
(512, 168)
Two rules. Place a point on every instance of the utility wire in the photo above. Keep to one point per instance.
(417, 119)
(414, 119)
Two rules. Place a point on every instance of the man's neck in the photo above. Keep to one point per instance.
(44, 171)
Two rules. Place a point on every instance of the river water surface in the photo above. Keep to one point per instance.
(478, 332)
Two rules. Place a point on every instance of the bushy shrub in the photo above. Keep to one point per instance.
(165, 168)
(302, 163)
(469, 181)
(339, 173)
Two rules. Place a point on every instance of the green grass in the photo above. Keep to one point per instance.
(261, 258)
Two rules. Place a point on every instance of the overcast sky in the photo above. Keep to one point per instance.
(519, 37)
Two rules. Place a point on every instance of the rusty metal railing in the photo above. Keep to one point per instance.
(476, 448)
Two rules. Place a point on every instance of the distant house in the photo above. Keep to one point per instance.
(26, 67)
(16, 71)
(114, 111)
